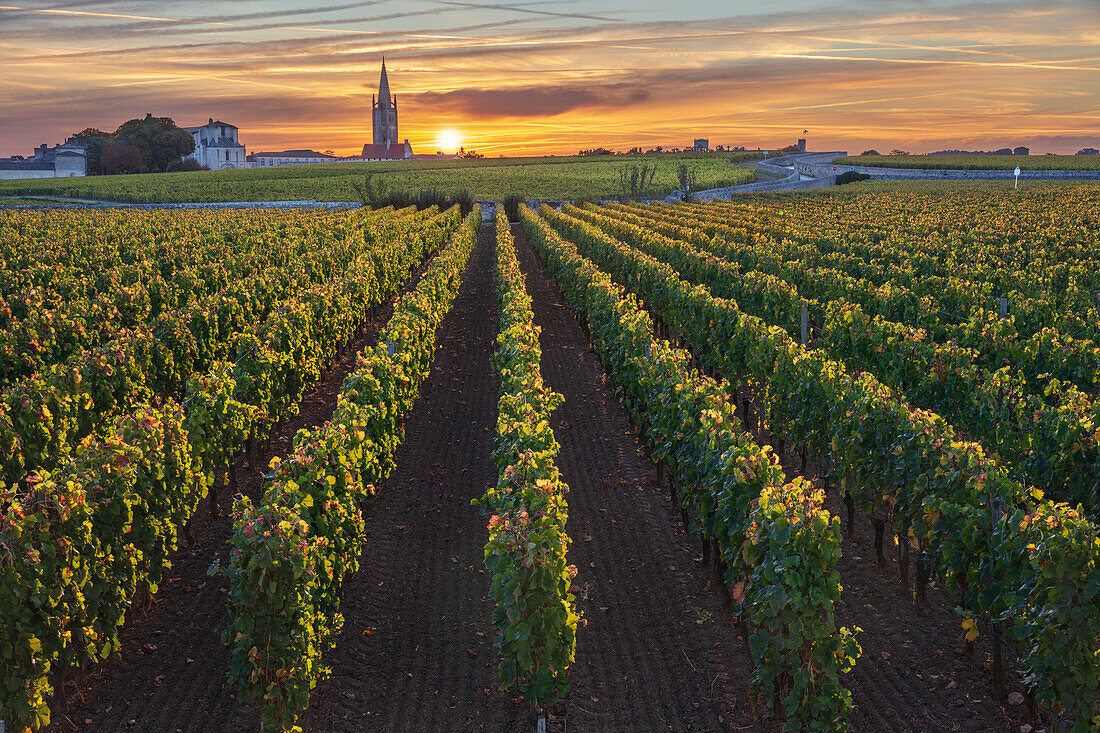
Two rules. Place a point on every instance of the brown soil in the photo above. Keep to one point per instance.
(657, 652)
(171, 675)
(901, 681)
(913, 674)
(416, 651)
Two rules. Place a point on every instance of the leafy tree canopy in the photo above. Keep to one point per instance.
(160, 141)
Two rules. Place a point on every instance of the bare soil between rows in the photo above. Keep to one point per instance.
(171, 675)
(913, 674)
(416, 652)
(655, 650)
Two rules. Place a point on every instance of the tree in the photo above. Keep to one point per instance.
(1021, 150)
(634, 180)
(187, 165)
(160, 141)
(899, 151)
(96, 140)
(1088, 151)
(872, 151)
(118, 157)
(469, 154)
(686, 177)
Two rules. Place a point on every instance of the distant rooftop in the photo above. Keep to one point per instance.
(383, 151)
(294, 154)
(211, 123)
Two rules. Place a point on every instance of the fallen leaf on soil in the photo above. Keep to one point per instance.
(1015, 698)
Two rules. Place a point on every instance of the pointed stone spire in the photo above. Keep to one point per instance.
(384, 87)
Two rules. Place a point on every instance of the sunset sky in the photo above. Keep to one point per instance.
(552, 77)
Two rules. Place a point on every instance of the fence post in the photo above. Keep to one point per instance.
(805, 325)
(997, 669)
(1004, 306)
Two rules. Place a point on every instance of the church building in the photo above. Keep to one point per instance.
(384, 118)
(217, 146)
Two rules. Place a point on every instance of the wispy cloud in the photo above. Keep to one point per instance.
(532, 101)
(554, 76)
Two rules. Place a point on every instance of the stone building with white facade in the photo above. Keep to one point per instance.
(68, 160)
(288, 157)
(217, 146)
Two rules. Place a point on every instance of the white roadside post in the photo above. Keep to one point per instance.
(1017, 174)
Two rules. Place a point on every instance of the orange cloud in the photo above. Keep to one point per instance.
(537, 77)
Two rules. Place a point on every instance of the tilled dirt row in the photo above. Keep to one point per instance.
(913, 674)
(416, 651)
(172, 672)
(656, 652)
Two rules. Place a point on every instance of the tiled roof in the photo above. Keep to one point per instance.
(294, 154)
(211, 123)
(383, 151)
(25, 165)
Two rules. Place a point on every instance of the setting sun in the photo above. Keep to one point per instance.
(449, 140)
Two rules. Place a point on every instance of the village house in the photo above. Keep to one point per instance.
(68, 160)
(217, 146)
(288, 157)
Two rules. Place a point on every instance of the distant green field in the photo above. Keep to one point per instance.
(485, 179)
(37, 200)
(978, 162)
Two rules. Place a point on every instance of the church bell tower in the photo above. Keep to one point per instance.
(384, 111)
